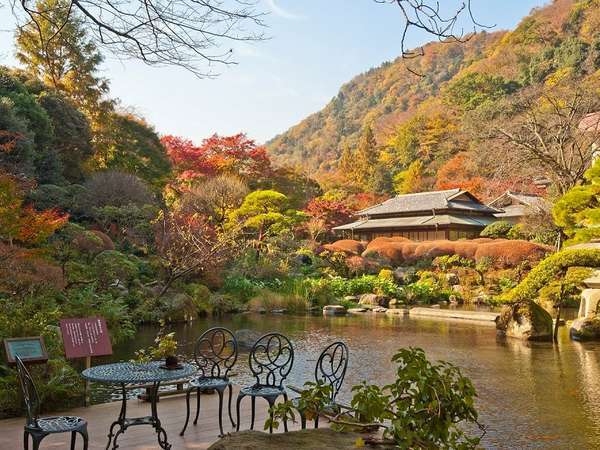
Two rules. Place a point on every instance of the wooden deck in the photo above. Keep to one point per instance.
(171, 411)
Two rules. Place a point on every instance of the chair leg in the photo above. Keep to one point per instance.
(25, 440)
(73, 439)
(187, 411)
(237, 410)
(220, 392)
(230, 395)
(253, 412)
(84, 435)
(37, 440)
(285, 425)
(197, 406)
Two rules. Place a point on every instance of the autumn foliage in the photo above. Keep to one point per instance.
(460, 172)
(235, 155)
(21, 223)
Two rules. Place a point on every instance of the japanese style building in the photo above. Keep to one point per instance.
(452, 214)
(516, 205)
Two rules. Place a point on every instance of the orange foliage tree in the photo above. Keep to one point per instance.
(21, 223)
(460, 171)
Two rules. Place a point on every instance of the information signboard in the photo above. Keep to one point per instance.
(29, 349)
(85, 337)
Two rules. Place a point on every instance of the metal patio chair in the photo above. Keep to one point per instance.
(215, 353)
(40, 427)
(330, 369)
(271, 360)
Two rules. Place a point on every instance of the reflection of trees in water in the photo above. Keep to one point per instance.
(559, 387)
(589, 384)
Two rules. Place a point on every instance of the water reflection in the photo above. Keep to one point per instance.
(531, 395)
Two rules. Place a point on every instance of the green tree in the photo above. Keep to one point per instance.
(26, 124)
(381, 180)
(131, 145)
(18, 151)
(474, 89)
(56, 49)
(72, 139)
(578, 211)
(266, 213)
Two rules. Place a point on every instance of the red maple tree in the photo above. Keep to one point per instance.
(235, 155)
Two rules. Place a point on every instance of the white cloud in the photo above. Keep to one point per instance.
(279, 11)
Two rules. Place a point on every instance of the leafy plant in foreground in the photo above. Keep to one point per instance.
(427, 406)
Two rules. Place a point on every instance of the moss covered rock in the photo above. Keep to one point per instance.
(586, 329)
(526, 320)
(178, 307)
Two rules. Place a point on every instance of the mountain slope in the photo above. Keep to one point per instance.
(390, 94)
(385, 94)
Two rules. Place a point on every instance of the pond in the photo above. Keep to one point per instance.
(531, 395)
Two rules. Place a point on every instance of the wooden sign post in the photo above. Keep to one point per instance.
(84, 338)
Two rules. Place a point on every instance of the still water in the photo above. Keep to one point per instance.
(531, 395)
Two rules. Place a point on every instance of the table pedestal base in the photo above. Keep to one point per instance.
(123, 422)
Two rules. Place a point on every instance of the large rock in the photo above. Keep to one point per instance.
(404, 275)
(320, 439)
(586, 329)
(374, 300)
(178, 307)
(246, 338)
(452, 279)
(528, 321)
(357, 310)
(334, 310)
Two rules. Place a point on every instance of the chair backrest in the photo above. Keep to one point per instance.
(216, 352)
(30, 394)
(271, 359)
(331, 367)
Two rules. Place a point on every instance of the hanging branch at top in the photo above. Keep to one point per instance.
(193, 34)
(425, 15)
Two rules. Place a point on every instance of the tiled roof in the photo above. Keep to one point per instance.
(411, 222)
(527, 200)
(427, 201)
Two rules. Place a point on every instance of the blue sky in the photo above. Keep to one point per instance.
(315, 46)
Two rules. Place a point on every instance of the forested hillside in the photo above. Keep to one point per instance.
(383, 96)
(459, 120)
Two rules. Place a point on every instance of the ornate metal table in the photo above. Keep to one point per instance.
(138, 373)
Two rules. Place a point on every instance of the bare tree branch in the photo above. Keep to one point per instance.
(544, 131)
(426, 16)
(193, 34)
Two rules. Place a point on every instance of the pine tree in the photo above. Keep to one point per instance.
(367, 156)
(347, 162)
